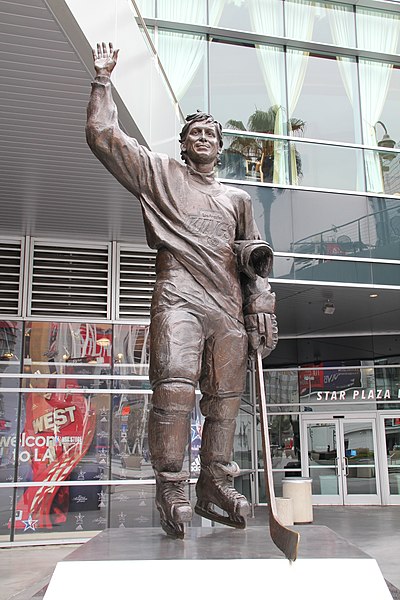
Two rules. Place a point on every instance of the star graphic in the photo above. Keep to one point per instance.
(30, 523)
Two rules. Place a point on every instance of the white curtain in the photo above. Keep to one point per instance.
(266, 18)
(180, 54)
(342, 28)
(342, 34)
(376, 32)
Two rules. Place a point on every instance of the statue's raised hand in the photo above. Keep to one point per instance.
(104, 59)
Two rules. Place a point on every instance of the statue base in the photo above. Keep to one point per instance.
(225, 562)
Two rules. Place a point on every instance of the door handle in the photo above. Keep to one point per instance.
(346, 466)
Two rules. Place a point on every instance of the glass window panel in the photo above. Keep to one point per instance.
(272, 207)
(8, 434)
(243, 441)
(377, 31)
(361, 480)
(133, 506)
(10, 349)
(6, 503)
(183, 57)
(392, 437)
(379, 93)
(263, 16)
(332, 224)
(284, 441)
(130, 451)
(323, 93)
(320, 22)
(245, 80)
(255, 159)
(330, 167)
(146, 7)
(388, 379)
(383, 172)
(278, 477)
(69, 511)
(324, 481)
(383, 274)
(182, 11)
(323, 270)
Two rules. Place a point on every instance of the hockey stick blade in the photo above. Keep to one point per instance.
(285, 539)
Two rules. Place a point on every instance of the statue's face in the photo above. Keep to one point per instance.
(202, 143)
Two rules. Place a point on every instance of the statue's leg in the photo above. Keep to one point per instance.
(169, 425)
(176, 347)
(214, 488)
(222, 383)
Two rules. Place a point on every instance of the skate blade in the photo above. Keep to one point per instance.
(173, 530)
(240, 523)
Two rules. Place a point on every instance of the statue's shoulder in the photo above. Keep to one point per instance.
(236, 194)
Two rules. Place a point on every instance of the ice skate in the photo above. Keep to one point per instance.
(174, 507)
(215, 489)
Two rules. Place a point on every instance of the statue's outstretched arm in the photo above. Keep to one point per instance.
(120, 154)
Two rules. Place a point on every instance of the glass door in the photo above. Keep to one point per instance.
(390, 446)
(339, 454)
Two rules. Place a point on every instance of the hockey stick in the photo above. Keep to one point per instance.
(285, 539)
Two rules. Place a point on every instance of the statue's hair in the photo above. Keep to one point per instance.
(200, 117)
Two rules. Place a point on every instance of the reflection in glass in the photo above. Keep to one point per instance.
(65, 417)
(10, 348)
(324, 482)
(284, 443)
(331, 167)
(242, 446)
(256, 159)
(322, 458)
(133, 506)
(379, 88)
(130, 453)
(8, 434)
(360, 458)
(321, 269)
(386, 165)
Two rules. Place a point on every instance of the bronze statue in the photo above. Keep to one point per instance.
(211, 305)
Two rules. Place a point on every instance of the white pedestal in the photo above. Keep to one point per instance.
(299, 490)
(308, 579)
(284, 507)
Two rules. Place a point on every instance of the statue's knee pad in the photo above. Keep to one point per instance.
(173, 397)
(220, 408)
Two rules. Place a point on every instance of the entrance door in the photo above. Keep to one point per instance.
(389, 445)
(339, 454)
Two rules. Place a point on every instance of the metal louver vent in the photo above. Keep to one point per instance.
(71, 281)
(10, 277)
(136, 281)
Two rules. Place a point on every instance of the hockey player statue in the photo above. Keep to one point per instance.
(211, 305)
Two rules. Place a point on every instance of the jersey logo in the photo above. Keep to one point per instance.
(210, 225)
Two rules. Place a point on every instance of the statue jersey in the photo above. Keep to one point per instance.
(196, 218)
